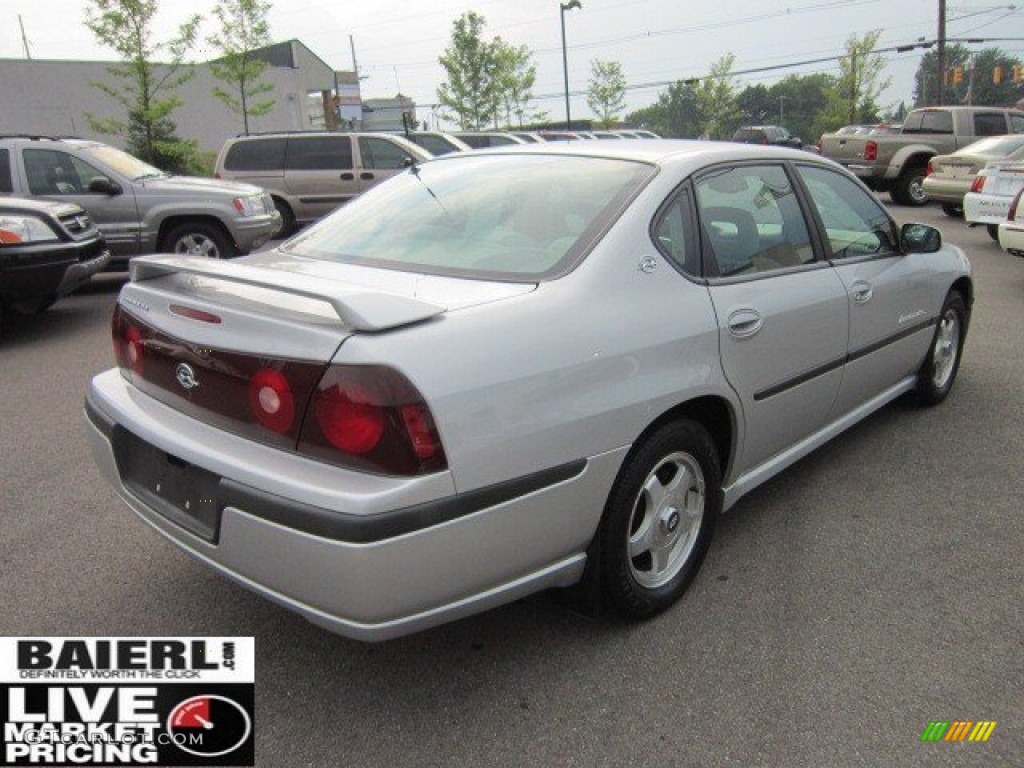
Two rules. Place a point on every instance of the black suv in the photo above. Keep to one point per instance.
(767, 134)
(47, 250)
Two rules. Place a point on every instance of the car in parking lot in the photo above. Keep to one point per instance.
(437, 142)
(137, 207)
(416, 409)
(992, 192)
(949, 177)
(310, 173)
(766, 134)
(486, 139)
(47, 250)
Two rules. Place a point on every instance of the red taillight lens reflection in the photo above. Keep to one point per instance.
(419, 425)
(978, 184)
(930, 169)
(348, 421)
(271, 400)
(871, 151)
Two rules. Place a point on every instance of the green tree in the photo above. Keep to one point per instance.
(716, 100)
(673, 114)
(145, 90)
(243, 29)
(606, 92)
(854, 98)
(471, 65)
(515, 76)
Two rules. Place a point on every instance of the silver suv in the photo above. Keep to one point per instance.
(309, 174)
(139, 208)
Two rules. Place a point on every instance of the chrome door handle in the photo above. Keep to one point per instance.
(861, 292)
(744, 323)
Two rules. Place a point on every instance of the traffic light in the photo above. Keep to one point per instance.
(958, 75)
(997, 74)
(1018, 73)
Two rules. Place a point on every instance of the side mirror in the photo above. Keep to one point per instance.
(919, 238)
(101, 185)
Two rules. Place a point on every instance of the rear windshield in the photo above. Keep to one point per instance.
(497, 217)
(995, 146)
(928, 121)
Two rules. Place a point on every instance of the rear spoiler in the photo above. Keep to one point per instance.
(357, 308)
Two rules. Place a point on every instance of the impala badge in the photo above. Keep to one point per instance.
(186, 376)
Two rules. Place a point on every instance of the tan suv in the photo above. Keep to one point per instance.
(309, 174)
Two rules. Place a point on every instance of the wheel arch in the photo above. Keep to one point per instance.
(171, 222)
(713, 412)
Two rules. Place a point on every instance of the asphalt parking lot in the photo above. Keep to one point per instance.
(876, 586)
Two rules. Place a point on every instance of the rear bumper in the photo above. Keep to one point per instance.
(986, 209)
(943, 191)
(368, 586)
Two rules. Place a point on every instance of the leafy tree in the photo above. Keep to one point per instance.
(243, 29)
(854, 99)
(145, 90)
(673, 114)
(977, 87)
(515, 76)
(606, 92)
(716, 100)
(471, 66)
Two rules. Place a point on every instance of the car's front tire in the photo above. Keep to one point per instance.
(938, 372)
(659, 519)
(908, 189)
(199, 239)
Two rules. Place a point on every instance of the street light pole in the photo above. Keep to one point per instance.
(565, 57)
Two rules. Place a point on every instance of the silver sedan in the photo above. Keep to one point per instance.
(517, 369)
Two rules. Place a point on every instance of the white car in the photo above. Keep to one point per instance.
(1011, 229)
(993, 190)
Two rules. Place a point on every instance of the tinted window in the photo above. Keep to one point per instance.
(381, 153)
(673, 237)
(474, 140)
(435, 145)
(989, 124)
(1017, 123)
(929, 122)
(751, 221)
(256, 155)
(319, 153)
(510, 217)
(53, 173)
(855, 222)
(6, 185)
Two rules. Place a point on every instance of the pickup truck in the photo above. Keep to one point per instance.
(897, 163)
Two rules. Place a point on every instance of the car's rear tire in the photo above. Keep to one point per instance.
(908, 188)
(659, 519)
(953, 210)
(993, 231)
(938, 371)
(287, 219)
(199, 238)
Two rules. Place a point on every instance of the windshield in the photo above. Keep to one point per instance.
(505, 217)
(127, 165)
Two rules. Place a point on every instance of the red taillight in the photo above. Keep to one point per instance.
(871, 150)
(194, 314)
(930, 169)
(129, 343)
(271, 400)
(978, 184)
(371, 418)
(348, 420)
(1012, 214)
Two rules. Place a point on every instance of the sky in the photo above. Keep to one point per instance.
(397, 42)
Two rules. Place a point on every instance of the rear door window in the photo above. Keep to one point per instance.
(319, 153)
(256, 155)
(989, 124)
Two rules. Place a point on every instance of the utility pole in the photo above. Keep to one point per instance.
(24, 40)
(941, 54)
(853, 86)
